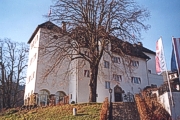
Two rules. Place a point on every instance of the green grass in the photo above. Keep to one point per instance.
(85, 111)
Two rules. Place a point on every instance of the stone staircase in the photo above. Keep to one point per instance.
(124, 111)
(144, 108)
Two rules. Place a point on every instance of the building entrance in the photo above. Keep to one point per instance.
(118, 94)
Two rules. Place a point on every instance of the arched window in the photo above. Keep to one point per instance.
(44, 92)
(59, 96)
(43, 97)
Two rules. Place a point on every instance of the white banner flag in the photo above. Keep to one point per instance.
(160, 60)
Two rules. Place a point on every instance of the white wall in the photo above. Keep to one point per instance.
(153, 77)
(151, 63)
(83, 82)
(106, 74)
(163, 99)
(58, 80)
(73, 81)
(61, 80)
(32, 66)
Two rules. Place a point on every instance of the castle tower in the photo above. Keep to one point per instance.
(45, 87)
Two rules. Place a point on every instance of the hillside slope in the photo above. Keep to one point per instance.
(86, 111)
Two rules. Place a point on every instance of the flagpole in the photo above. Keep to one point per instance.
(167, 75)
(176, 58)
(49, 14)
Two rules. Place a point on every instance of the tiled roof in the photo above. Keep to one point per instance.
(148, 51)
(117, 44)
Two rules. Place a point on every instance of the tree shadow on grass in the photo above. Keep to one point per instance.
(79, 114)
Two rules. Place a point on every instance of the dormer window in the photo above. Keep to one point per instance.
(134, 63)
(116, 59)
(55, 37)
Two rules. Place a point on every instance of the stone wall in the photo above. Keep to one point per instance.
(125, 111)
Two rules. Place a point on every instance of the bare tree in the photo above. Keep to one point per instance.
(13, 71)
(93, 24)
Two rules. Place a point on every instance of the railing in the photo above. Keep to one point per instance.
(129, 97)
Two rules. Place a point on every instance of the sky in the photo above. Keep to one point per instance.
(19, 19)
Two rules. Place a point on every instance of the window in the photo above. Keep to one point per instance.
(86, 53)
(107, 84)
(29, 78)
(116, 60)
(32, 44)
(136, 80)
(117, 77)
(59, 96)
(32, 76)
(34, 41)
(55, 37)
(44, 92)
(106, 64)
(43, 97)
(135, 63)
(173, 76)
(106, 47)
(71, 96)
(149, 71)
(33, 59)
(86, 73)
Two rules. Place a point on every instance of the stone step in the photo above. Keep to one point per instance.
(125, 111)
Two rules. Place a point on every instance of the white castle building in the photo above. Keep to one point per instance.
(75, 84)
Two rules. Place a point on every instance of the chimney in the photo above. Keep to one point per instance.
(140, 43)
(63, 26)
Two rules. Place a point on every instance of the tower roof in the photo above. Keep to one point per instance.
(47, 25)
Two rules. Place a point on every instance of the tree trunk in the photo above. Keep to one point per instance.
(9, 101)
(3, 101)
(3, 86)
(93, 82)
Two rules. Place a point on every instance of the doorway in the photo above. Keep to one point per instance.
(118, 94)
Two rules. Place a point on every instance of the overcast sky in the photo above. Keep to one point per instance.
(19, 18)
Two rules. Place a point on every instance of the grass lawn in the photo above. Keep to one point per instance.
(85, 111)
